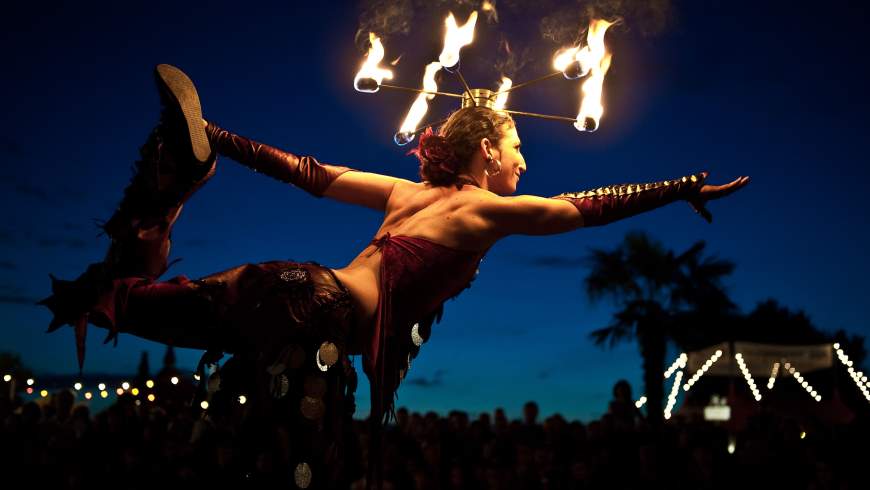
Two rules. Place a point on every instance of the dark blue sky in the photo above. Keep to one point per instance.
(775, 90)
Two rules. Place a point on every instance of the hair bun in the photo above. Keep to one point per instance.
(434, 150)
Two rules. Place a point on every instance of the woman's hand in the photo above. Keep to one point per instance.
(711, 192)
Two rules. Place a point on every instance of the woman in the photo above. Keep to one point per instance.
(292, 326)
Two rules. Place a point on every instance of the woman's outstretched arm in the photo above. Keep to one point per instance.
(319, 179)
(533, 215)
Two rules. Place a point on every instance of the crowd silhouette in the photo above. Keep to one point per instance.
(141, 445)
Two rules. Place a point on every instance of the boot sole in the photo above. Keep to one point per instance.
(179, 87)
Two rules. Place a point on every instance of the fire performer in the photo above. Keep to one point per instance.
(290, 326)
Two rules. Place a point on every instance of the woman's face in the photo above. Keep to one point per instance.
(512, 163)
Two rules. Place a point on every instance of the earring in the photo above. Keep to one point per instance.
(497, 169)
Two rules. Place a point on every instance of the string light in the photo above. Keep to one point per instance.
(29, 390)
(204, 405)
(747, 376)
(679, 363)
(104, 394)
(196, 376)
(242, 399)
(773, 374)
(43, 393)
(639, 403)
(151, 397)
(858, 377)
(135, 391)
(88, 395)
(149, 383)
(125, 385)
(101, 386)
(700, 372)
(805, 384)
(119, 391)
(77, 386)
(672, 398)
(174, 380)
(7, 377)
(30, 381)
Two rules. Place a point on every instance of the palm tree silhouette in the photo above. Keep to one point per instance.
(661, 296)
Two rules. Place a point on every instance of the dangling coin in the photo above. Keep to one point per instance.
(415, 335)
(302, 475)
(328, 353)
(312, 408)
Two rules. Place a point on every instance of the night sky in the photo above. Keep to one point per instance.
(774, 90)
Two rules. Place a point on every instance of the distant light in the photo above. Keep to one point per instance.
(135, 391)
(803, 435)
(101, 386)
(43, 393)
(196, 376)
(731, 447)
(718, 413)
(125, 385)
(7, 378)
(836, 345)
(30, 381)
(138, 402)
(151, 397)
(174, 380)
(104, 394)
(204, 405)
(77, 386)
(88, 395)
(120, 391)
(243, 400)
(29, 390)
(149, 383)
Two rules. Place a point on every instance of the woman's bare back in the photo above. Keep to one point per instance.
(438, 214)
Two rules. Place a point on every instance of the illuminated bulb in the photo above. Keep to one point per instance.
(196, 376)
(101, 386)
(77, 386)
(149, 383)
(849, 363)
(818, 398)
(7, 377)
(88, 395)
(125, 385)
(43, 393)
(243, 400)
(138, 403)
(803, 435)
(29, 390)
(30, 381)
(837, 345)
(119, 391)
(104, 394)
(135, 391)
(804, 384)
(174, 380)
(204, 405)
(731, 447)
(151, 397)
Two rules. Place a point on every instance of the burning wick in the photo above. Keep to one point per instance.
(370, 75)
(402, 138)
(455, 39)
(589, 124)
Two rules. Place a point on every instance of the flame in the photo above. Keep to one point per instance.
(456, 38)
(421, 105)
(598, 62)
(501, 99)
(370, 75)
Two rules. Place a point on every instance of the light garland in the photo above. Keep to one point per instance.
(672, 398)
(7, 377)
(747, 376)
(639, 403)
(858, 377)
(704, 368)
(679, 363)
(773, 374)
(804, 383)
